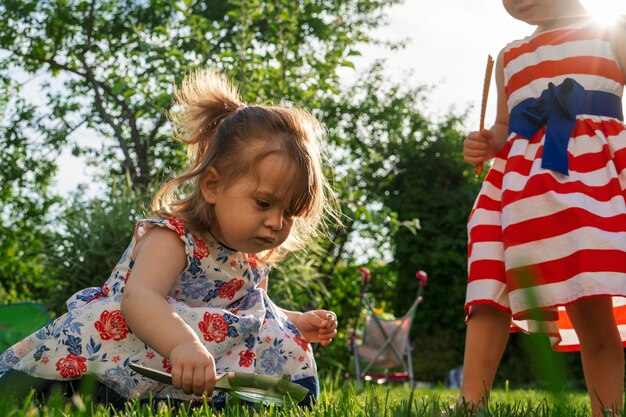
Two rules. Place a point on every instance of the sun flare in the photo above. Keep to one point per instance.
(607, 11)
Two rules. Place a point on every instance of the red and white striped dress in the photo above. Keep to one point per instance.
(563, 237)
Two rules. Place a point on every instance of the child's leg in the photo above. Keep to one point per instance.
(600, 350)
(486, 338)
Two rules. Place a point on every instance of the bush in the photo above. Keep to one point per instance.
(92, 237)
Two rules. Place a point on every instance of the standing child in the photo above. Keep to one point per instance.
(547, 235)
(189, 293)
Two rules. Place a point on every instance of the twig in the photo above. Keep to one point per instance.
(478, 168)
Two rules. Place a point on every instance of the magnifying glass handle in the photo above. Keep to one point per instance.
(221, 384)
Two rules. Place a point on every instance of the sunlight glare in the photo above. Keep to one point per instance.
(607, 11)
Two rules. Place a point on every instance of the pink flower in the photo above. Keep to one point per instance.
(228, 289)
(71, 366)
(200, 249)
(246, 358)
(111, 325)
(302, 342)
(178, 225)
(252, 259)
(213, 327)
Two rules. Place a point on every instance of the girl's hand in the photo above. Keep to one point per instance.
(479, 147)
(193, 368)
(317, 326)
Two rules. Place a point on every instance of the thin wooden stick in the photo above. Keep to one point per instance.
(478, 168)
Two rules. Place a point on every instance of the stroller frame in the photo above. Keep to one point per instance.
(403, 357)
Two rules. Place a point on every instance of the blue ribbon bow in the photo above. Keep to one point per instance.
(557, 108)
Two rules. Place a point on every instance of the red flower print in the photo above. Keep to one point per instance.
(127, 276)
(229, 289)
(302, 342)
(213, 327)
(105, 289)
(45, 360)
(71, 366)
(301, 358)
(177, 222)
(167, 365)
(116, 359)
(267, 340)
(245, 358)
(111, 325)
(150, 354)
(200, 249)
(252, 258)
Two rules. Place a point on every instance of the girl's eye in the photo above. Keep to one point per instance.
(262, 203)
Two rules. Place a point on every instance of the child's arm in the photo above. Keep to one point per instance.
(315, 325)
(481, 146)
(159, 259)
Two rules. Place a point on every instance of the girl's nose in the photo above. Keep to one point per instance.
(274, 220)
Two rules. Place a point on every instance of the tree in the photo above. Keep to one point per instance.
(109, 69)
(410, 167)
(119, 60)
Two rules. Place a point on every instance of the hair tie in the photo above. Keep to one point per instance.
(241, 106)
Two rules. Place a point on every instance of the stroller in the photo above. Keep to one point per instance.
(381, 348)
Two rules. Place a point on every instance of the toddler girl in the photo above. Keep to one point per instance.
(189, 294)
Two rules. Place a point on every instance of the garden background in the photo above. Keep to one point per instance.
(105, 72)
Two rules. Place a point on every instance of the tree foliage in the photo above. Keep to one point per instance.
(119, 60)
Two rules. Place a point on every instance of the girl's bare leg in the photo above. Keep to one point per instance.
(486, 338)
(601, 352)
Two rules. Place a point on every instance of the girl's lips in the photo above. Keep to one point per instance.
(266, 240)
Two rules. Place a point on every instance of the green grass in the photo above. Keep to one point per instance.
(337, 400)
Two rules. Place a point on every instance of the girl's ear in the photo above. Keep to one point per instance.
(210, 184)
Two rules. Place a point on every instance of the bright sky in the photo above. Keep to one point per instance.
(449, 44)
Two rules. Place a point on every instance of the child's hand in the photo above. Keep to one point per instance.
(193, 368)
(317, 326)
(479, 147)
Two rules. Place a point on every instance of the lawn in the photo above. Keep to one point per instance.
(338, 400)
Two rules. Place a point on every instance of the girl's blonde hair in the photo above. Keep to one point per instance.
(232, 138)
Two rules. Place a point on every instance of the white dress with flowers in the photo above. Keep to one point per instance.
(217, 295)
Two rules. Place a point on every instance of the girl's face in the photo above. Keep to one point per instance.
(252, 213)
(538, 12)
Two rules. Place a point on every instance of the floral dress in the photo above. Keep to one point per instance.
(217, 295)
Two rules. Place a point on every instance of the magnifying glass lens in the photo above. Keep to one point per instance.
(255, 397)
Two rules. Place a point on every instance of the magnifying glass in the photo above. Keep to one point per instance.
(254, 388)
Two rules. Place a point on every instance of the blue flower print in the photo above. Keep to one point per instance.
(273, 360)
(193, 286)
(7, 361)
(194, 265)
(73, 344)
(118, 379)
(89, 294)
(292, 327)
(41, 349)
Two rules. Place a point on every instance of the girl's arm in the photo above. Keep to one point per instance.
(315, 325)
(481, 146)
(159, 259)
